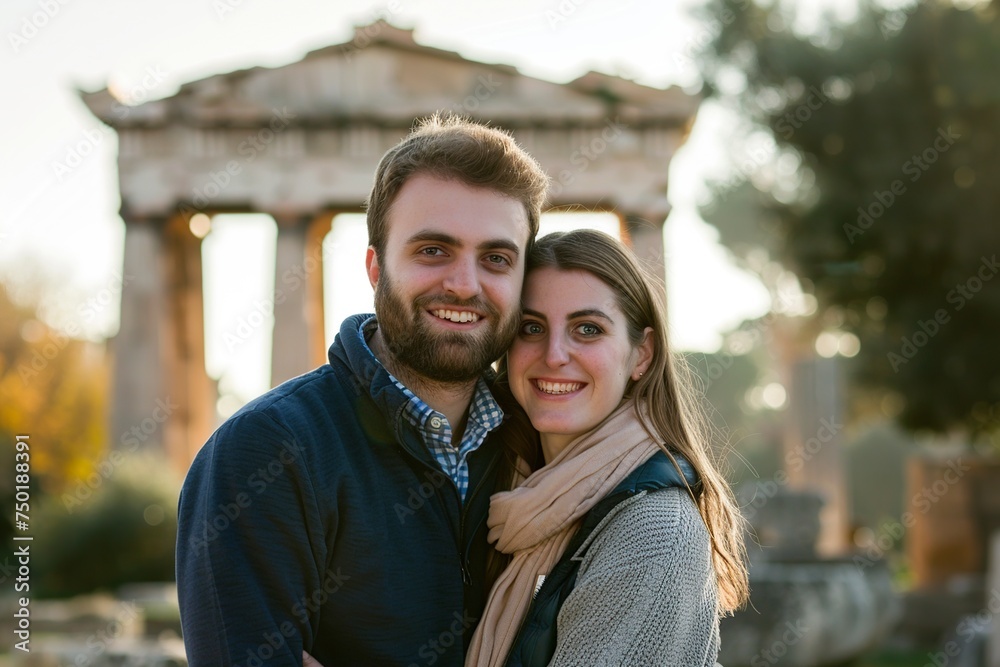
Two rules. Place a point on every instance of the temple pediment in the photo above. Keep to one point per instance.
(384, 76)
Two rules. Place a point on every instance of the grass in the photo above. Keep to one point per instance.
(895, 659)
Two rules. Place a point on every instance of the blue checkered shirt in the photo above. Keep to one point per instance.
(484, 416)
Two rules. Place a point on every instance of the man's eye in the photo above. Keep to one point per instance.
(499, 260)
(431, 252)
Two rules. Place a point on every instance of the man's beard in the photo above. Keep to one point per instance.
(447, 356)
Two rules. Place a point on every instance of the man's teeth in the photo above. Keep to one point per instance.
(558, 387)
(456, 316)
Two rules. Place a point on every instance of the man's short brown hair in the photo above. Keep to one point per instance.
(452, 147)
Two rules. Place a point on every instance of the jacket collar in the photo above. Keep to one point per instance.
(367, 373)
(370, 376)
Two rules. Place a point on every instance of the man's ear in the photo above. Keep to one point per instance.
(645, 351)
(371, 266)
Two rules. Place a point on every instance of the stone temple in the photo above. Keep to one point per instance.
(300, 143)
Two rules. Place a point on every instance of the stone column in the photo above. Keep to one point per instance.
(644, 233)
(316, 296)
(190, 393)
(812, 457)
(138, 348)
(298, 303)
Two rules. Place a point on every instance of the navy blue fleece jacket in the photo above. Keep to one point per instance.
(316, 519)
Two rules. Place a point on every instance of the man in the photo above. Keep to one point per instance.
(344, 512)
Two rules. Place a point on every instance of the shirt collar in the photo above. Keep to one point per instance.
(484, 410)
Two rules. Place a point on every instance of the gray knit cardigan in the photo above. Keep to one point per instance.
(645, 594)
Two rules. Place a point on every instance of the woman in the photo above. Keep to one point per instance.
(626, 545)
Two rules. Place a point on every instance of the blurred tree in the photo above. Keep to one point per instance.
(124, 532)
(52, 388)
(890, 126)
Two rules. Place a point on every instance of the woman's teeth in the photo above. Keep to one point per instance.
(558, 387)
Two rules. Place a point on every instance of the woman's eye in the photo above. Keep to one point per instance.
(531, 329)
(589, 329)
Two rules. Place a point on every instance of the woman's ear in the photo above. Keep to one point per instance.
(644, 351)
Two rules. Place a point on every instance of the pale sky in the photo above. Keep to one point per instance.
(67, 223)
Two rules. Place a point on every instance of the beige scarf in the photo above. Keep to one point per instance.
(537, 519)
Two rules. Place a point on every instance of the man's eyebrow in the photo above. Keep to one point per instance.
(448, 239)
(500, 244)
(439, 237)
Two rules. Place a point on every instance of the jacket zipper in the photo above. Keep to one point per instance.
(461, 525)
(463, 549)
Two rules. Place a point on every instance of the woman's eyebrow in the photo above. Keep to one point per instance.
(590, 312)
(587, 312)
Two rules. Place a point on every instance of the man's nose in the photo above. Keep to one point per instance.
(463, 279)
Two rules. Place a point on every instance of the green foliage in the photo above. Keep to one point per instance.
(124, 532)
(891, 215)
